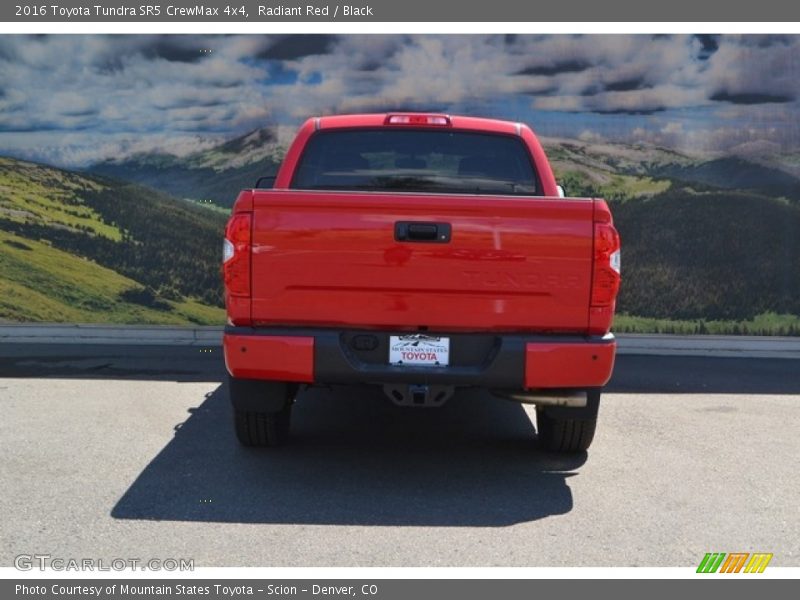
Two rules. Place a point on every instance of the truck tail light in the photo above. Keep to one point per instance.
(435, 120)
(236, 255)
(606, 276)
(605, 271)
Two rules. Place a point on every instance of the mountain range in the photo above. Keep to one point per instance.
(137, 239)
(616, 171)
(215, 175)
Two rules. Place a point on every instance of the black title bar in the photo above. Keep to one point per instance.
(243, 11)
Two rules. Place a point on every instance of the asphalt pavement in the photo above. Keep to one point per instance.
(129, 452)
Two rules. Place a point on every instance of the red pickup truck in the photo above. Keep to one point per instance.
(421, 253)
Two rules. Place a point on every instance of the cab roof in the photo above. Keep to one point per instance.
(418, 119)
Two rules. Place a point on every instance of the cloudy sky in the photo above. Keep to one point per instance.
(74, 100)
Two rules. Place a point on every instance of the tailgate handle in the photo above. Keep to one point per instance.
(415, 231)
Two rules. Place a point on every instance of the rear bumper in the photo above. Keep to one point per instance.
(328, 356)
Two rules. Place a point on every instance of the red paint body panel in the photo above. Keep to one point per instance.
(568, 365)
(330, 259)
(280, 358)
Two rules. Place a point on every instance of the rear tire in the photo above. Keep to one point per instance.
(263, 429)
(262, 411)
(568, 430)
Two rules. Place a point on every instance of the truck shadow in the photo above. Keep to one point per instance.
(356, 459)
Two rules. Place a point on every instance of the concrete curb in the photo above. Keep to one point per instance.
(710, 345)
(135, 335)
(155, 335)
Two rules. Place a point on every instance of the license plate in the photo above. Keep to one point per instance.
(419, 350)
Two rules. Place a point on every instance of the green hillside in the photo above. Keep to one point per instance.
(714, 255)
(52, 197)
(75, 248)
(42, 283)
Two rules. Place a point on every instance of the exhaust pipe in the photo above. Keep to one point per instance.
(568, 398)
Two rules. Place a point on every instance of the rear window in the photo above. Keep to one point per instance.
(416, 161)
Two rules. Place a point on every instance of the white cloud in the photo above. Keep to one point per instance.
(592, 137)
(114, 94)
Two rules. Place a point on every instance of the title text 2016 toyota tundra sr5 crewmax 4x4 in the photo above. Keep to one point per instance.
(421, 253)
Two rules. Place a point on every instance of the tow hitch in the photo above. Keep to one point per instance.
(418, 395)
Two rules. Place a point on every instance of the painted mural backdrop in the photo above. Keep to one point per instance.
(120, 156)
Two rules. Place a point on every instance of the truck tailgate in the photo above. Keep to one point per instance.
(331, 259)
